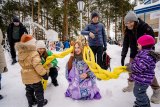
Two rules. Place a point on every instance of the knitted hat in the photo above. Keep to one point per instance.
(16, 19)
(131, 16)
(94, 14)
(28, 39)
(40, 44)
(146, 40)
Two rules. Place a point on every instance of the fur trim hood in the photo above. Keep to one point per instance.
(25, 50)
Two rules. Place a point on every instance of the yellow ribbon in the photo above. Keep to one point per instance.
(61, 55)
(51, 58)
(89, 59)
(97, 70)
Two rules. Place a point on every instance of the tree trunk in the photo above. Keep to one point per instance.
(47, 19)
(42, 23)
(108, 21)
(122, 33)
(39, 12)
(33, 10)
(109, 26)
(65, 20)
(123, 27)
(19, 10)
(23, 12)
(88, 11)
(116, 28)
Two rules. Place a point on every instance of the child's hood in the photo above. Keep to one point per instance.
(24, 50)
(156, 55)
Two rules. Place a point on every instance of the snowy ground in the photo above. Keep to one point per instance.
(111, 91)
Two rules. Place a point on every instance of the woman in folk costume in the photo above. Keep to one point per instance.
(82, 82)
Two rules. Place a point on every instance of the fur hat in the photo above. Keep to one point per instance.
(40, 44)
(28, 39)
(146, 40)
(94, 14)
(131, 16)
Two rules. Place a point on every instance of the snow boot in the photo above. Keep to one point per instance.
(14, 61)
(34, 103)
(136, 106)
(44, 103)
(155, 98)
(129, 88)
(55, 82)
(1, 97)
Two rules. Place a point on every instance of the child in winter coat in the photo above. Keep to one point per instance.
(32, 70)
(82, 82)
(142, 70)
(3, 65)
(53, 73)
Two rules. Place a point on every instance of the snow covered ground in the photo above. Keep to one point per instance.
(111, 90)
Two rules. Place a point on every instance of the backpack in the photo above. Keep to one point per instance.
(106, 61)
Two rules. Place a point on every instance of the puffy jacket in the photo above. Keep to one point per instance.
(98, 30)
(2, 57)
(143, 67)
(30, 61)
(54, 61)
(131, 37)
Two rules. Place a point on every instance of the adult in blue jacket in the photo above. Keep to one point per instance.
(96, 37)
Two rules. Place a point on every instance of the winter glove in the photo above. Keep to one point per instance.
(104, 48)
(156, 55)
(5, 69)
(44, 83)
(122, 60)
(128, 67)
(45, 77)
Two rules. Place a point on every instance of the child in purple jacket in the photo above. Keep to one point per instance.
(142, 70)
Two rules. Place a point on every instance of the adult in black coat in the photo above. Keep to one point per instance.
(136, 28)
(14, 32)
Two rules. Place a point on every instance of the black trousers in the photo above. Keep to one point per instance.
(12, 49)
(53, 74)
(34, 92)
(98, 51)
